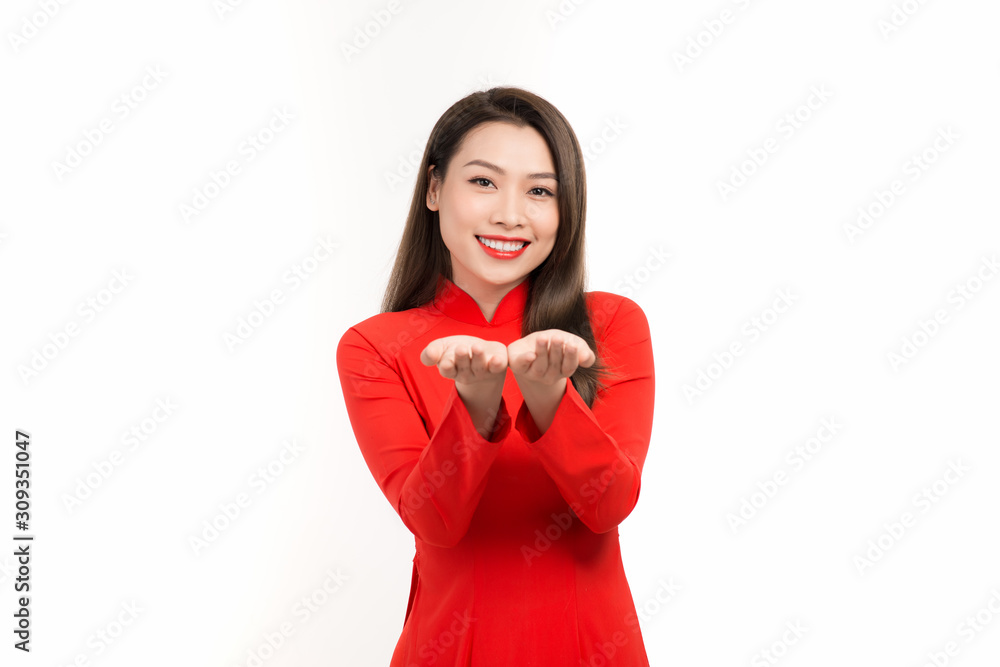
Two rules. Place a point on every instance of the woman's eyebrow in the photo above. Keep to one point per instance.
(490, 165)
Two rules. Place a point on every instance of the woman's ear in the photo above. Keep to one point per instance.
(433, 189)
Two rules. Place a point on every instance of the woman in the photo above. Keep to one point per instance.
(504, 412)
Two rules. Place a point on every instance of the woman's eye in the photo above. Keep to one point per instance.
(485, 182)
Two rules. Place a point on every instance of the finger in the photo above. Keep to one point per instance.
(499, 360)
(521, 362)
(541, 360)
(461, 359)
(555, 360)
(584, 355)
(570, 360)
(431, 354)
(513, 355)
(496, 364)
(449, 362)
(477, 359)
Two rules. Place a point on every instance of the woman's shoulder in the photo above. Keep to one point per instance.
(393, 328)
(609, 307)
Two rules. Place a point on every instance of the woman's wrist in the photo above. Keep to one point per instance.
(542, 400)
(482, 401)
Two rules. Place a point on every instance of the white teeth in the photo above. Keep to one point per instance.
(503, 246)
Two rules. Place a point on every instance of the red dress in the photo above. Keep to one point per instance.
(517, 555)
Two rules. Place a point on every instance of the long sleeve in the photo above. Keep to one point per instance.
(595, 456)
(433, 481)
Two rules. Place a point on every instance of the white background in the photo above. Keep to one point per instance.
(338, 173)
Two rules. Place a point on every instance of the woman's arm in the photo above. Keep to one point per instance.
(433, 482)
(595, 456)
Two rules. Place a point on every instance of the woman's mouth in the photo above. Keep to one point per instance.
(502, 249)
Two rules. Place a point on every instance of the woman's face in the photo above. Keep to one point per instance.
(501, 184)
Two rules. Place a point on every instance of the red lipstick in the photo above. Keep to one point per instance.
(501, 254)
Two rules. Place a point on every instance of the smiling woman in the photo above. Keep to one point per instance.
(504, 412)
(489, 211)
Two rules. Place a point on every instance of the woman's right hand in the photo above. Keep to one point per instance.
(467, 360)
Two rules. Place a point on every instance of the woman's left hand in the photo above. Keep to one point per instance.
(548, 357)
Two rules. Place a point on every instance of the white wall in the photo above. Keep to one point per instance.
(339, 123)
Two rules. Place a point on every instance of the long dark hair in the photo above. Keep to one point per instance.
(556, 287)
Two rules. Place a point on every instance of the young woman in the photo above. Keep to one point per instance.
(504, 412)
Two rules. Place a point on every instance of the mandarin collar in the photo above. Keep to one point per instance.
(456, 303)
